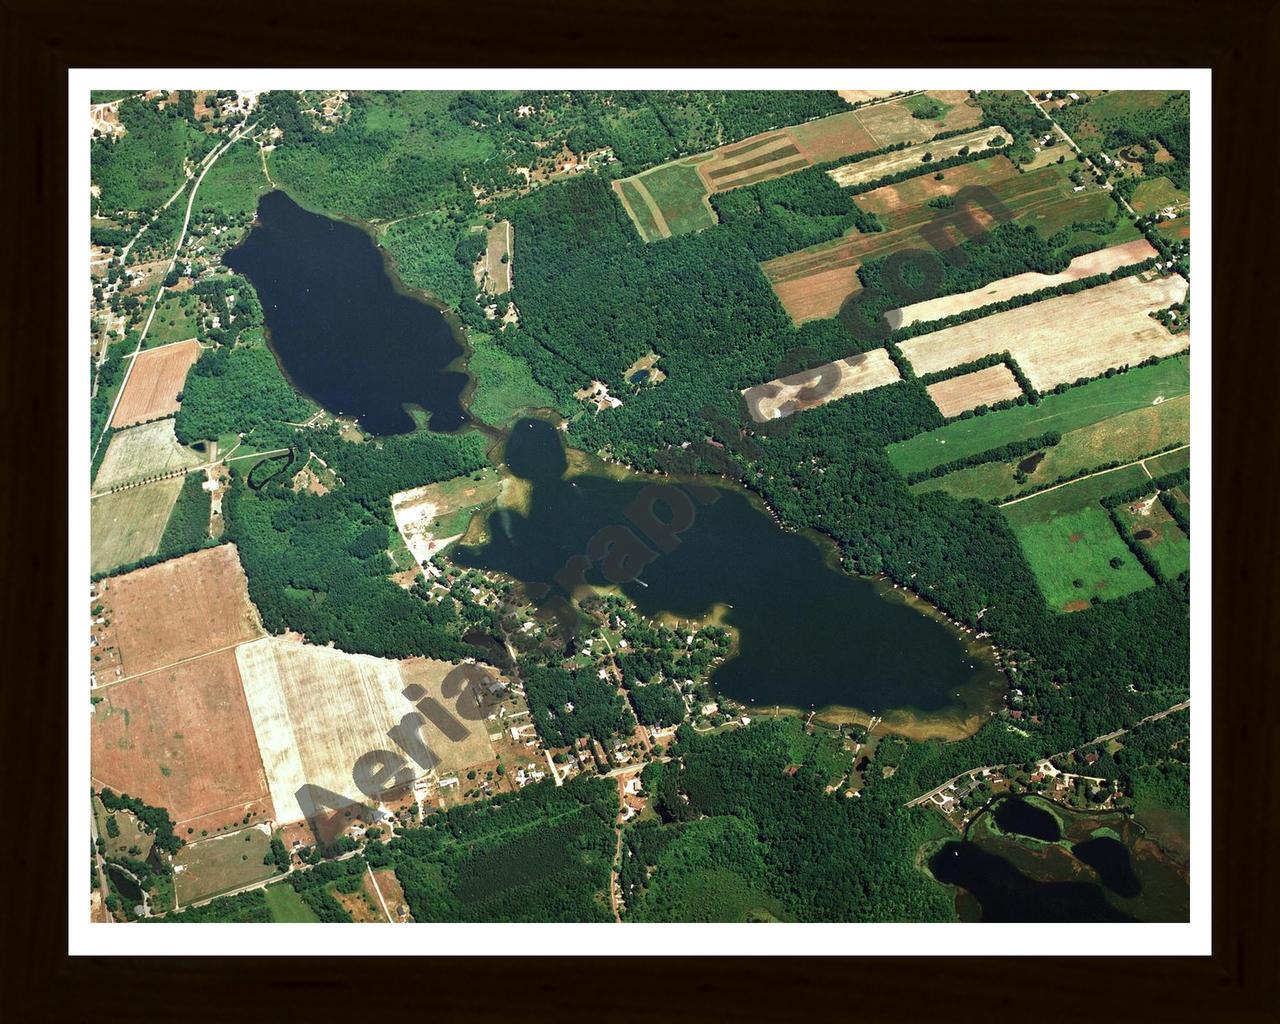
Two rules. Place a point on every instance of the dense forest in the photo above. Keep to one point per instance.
(236, 390)
(318, 564)
(541, 854)
(747, 834)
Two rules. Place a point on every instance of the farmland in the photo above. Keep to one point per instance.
(127, 526)
(144, 451)
(221, 863)
(286, 905)
(813, 283)
(179, 609)
(1154, 528)
(496, 262)
(318, 712)
(181, 738)
(1075, 408)
(970, 390)
(1122, 438)
(1110, 327)
(863, 171)
(1077, 548)
(672, 199)
(155, 382)
(1156, 194)
(1101, 261)
(810, 388)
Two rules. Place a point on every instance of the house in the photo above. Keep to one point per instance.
(1073, 96)
(710, 709)
(1078, 188)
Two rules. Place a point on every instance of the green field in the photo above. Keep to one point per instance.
(1077, 547)
(286, 905)
(681, 196)
(221, 863)
(175, 319)
(127, 525)
(639, 211)
(1073, 496)
(1122, 438)
(504, 385)
(1156, 194)
(1075, 408)
(1170, 548)
(234, 183)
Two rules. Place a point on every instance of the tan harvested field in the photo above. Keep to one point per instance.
(862, 95)
(1063, 338)
(813, 283)
(128, 525)
(148, 450)
(322, 715)
(827, 383)
(154, 383)
(179, 609)
(1103, 261)
(498, 244)
(181, 738)
(970, 390)
(900, 160)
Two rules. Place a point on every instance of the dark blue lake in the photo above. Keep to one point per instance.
(343, 329)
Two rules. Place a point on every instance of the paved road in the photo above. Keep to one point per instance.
(924, 797)
(208, 162)
(98, 862)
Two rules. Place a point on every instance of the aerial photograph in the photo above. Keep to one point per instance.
(618, 506)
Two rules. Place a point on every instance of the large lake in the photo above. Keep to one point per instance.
(809, 634)
(343, 330)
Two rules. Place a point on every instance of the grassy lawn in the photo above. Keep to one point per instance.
(1073, 496)
(1169, 546)
(175, 319)
(221, 863)
(681, 196)
(1121, 438)
(1170, 462)
(286, 905)
(1156, 194)
(1075, 408)
(504, 385)
(130, 834)
(1077, 548)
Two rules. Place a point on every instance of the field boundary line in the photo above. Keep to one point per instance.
(180, 661)
(652, 204)
(1088, 476)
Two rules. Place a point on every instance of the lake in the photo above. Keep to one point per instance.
(343, 329)
(1077, 866)
(809, 634)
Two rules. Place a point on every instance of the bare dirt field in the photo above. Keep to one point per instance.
(814, 282)
(1102, 261)
(1063, 338)
(179, 609)
(319, 713)
(811, 388)
(970, 390)
(127, 526)
(900, 160)
(148, 450)
(181, 738)
(862, 95)
(497, 273)
(154, 383)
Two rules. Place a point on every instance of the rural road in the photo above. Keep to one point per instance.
(209, 161)
(97, 860)
(1072, 143)
(1106, 737)
(1102, 472)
